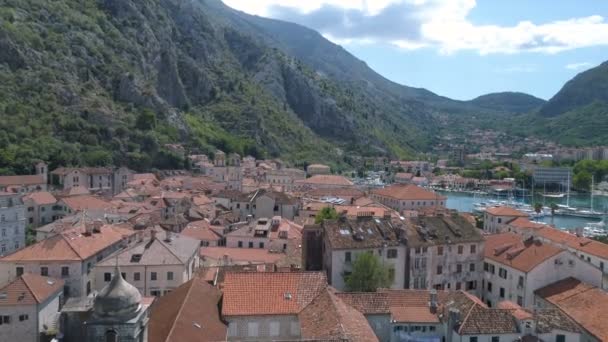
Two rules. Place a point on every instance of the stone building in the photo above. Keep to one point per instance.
(117, 313)
(12, 223)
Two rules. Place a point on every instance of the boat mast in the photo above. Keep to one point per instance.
(592, 185)
(568, 193)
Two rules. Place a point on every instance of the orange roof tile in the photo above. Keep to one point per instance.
(85, 202)
(29, 289)
(283, 293)
(583, 303)
(200, 230)
(413, 315)
(240, 255)
(188, 313)
(40, 198)
(22, 180)
(525, 223)
(71, 244)
(505, 211)
(582, 244)
(510, 249)
(326, 180)
(408, 192)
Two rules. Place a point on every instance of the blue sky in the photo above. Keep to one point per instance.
(459, 48)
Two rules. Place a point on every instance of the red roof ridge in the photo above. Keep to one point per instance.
(181, 308)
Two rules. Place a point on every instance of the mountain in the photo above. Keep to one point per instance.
(584, 89)
(508, 102)
(578, 112)
(99, 82)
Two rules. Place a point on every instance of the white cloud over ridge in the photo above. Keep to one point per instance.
(578, 66)
(439, 24)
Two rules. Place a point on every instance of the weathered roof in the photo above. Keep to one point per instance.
(265, 293)
(326, 180)
(362, 232)
(29, 289)
(581, 244)
(73, 244)
(40, 198)
(201, 230)
(583, 303)
(511, 249)
(241, 255)
(505, 211)
(156, 251)
(408, 192)
(85, 202)
(327, 317)
(22, 180)
(439, 230)
(189, 313)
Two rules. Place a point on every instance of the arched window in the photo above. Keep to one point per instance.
(111, 336)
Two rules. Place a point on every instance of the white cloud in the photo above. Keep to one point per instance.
(442, 24)
(524, 68)
(577, 66)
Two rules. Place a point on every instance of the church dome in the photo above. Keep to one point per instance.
(118, 300)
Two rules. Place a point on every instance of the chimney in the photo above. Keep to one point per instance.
(453, 321)
(88, 228)
(433, 301)
(97, 224)
(168, 236)
(152, 234)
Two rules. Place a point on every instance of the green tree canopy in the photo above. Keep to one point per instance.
(582, 180)
(368, 274)
(326, 213)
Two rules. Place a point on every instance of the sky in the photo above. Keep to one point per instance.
(459, 48)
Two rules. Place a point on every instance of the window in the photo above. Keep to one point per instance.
(460, 249)
(65, 271)
(19, 270)
(252, 329)
(560, 338)
(520, 301)
(472, 267)
(471, 285)
(153, 276)
(240, 244)
(439, 269)
(136, 276)
(473, 249)
(261, 245)
(520, 281)
(502, 273)
(274, 328)
(44, 271)
(391, 254)
(499, 220)
(601, 265)
(124, 275)
(495, 338)
(295, 329)
(439, 250)
(473, 339)
(23, 318)
(232, 329)
(155, 293)
(107, 277)
(417, 251)
(5, 319)
(347, 257)
(250, 244)
(489, 287)
(458, 268)
(458, 286)
(502, 292)
(169, 275)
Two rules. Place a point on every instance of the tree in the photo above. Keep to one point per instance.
(553, 207)
(146, 120)
(326, 213)
(368, 274)
(538, 207)
(582, 180)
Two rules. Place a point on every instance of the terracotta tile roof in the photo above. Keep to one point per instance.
(29, 289)
(583, 303)
(582, 244)
(85, 202)
(201, 199)
(525, 223)
(364, 232)
(385, 301)
(21, 180)
(72, 244)
(326, 180)
(188, 313)
(353, 210)
(408, 192)
(145, 176)
(505, 211)
(328, 318)
(335, 192)
(413, 315)
(510, 249)
(484, 321)
(404, 175)
(240, 255)
(201, 230)
(516, 310)
(280, 293)
(40, 198)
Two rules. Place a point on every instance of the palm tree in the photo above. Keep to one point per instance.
(538, 207)
(553, 207)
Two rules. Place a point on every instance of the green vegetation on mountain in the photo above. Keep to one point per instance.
(508, 102)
